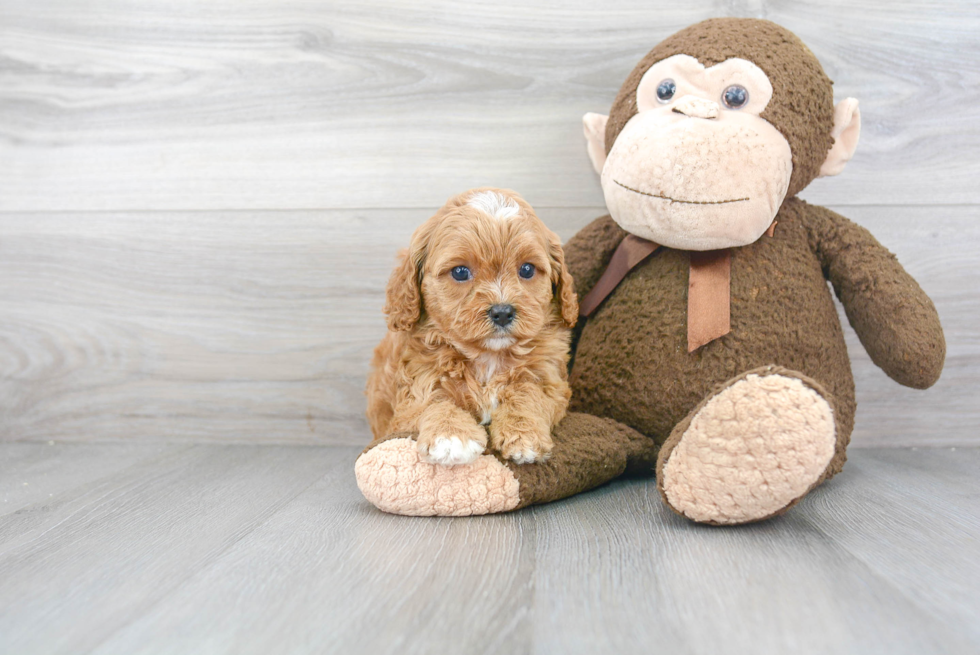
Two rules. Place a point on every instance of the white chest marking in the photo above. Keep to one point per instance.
(487, 365)
(488, 409)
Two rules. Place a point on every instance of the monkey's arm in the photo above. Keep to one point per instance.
(588, 253)
(895, 320)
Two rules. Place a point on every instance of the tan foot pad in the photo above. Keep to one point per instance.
(394, 478)
(750, 451)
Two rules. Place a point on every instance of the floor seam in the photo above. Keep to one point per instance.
(209, 561)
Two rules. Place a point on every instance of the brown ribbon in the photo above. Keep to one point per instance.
(631, 251)
(708, 288)
(709, 297)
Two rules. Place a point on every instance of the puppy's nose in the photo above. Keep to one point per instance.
(502, 315)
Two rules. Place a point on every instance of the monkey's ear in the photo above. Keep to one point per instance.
(562, 283)
(847, 129)
(594, 126)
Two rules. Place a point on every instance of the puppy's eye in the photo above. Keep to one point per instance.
(461, 274)
(526, 271)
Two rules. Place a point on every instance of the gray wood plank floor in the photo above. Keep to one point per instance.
(180, 548)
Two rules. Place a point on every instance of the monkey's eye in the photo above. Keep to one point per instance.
(735, 96)
(526, 271)
(461, 274)
(666, 90)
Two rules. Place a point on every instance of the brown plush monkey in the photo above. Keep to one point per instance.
(711, 348)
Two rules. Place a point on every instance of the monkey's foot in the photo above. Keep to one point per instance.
(588, 451)
(750, 451)
(394, 478)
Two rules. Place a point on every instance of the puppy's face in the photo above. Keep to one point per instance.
(487, 278)
(489, 273)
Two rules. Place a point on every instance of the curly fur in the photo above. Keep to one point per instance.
(444, 370)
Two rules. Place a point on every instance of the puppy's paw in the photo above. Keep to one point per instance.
(450, 451)
(524, 447)
(528, 456)
(451, 444)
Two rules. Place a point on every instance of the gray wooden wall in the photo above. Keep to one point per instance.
(200, 201)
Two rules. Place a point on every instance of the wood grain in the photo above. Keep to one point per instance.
(243, 549)
(925, 502)
(780, 586)
(110, 105)
(32, 473)
(329, 573)
(126, 541)
(258, 326)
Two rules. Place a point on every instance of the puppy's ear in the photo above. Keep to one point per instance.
(562, 284)
(403, 297)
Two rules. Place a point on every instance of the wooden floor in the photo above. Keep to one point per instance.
(182, 548)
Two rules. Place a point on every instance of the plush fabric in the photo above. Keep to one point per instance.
(750, 451)
(394, 478)
(726, 199)
(847, 129)
(802, 105)
(702, 79)
(632, 362)
(721, 174)
(895, 320)
(588, 452)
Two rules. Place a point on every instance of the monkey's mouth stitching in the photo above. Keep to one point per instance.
(686, 202)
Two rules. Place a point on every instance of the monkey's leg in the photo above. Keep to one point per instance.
(751, 450)
(588, 451)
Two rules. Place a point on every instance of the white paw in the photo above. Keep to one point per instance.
(528, 456)
(450, 451)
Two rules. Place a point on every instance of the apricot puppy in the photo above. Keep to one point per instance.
(479, 310)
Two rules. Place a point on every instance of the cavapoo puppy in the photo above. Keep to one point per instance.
(479, 310)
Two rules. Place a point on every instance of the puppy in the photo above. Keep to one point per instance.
(479, 315)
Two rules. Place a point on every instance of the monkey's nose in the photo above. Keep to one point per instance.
(696, 107)
(502, 315)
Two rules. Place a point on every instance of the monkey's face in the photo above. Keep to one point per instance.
(697, 168)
